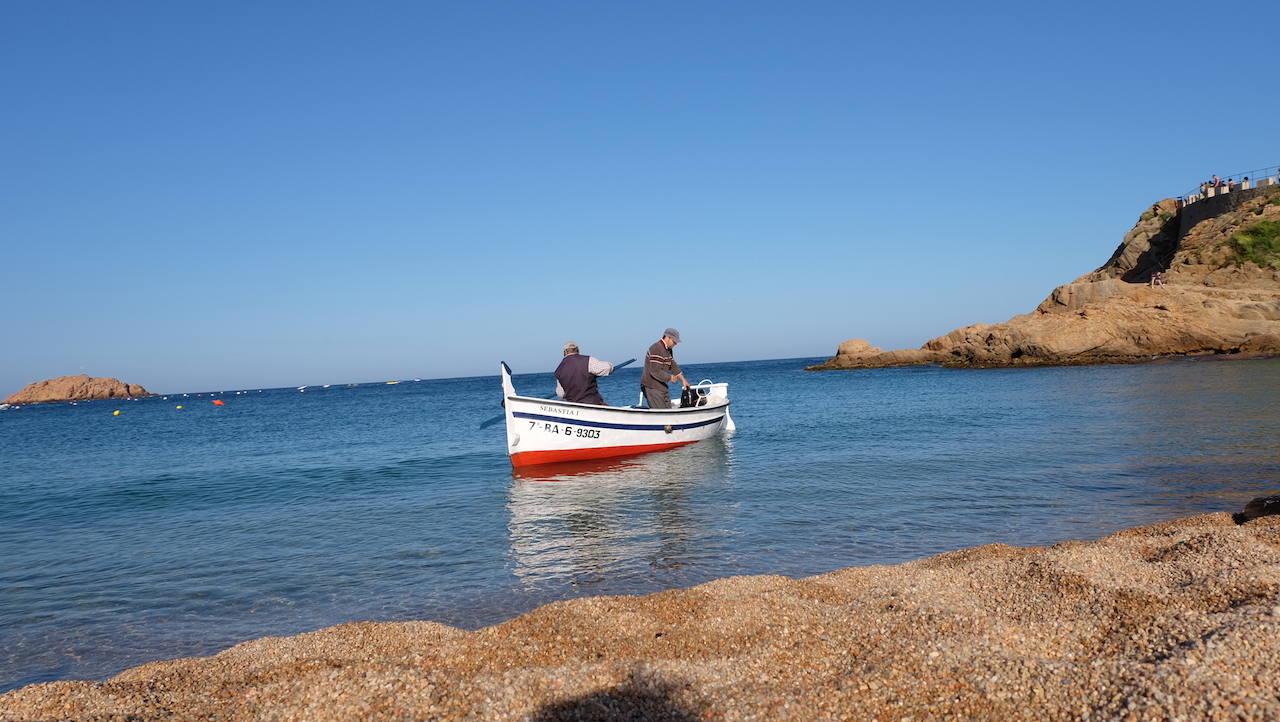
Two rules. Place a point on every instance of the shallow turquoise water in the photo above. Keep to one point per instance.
(163, 533)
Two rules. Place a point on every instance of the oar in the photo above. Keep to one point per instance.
(500, 417)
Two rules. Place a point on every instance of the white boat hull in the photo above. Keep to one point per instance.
(543, 431)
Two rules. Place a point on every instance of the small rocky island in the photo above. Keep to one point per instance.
(1218, 293)
(76, 388)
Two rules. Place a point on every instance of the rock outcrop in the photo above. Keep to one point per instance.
(76, 388)
(1221, 296)
(855, 350)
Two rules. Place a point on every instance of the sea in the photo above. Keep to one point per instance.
(179, 527)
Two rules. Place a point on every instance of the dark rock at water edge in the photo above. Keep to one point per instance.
(1258, 508)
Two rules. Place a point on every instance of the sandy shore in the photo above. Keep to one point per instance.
(1174, 621)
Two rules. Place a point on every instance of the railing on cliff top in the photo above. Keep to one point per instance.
(1259, 178)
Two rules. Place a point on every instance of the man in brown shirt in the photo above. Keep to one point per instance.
(660, 369)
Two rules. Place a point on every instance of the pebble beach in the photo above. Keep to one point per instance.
(1176, 621)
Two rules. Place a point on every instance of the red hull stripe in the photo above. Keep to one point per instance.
(529, 458)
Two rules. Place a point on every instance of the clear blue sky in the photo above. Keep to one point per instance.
(213, 196)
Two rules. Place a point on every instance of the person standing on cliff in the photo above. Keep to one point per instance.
(660, 369)
(576, 376)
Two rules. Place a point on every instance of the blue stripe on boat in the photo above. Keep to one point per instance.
(606, 425)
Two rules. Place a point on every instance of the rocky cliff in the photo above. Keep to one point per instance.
(1221, 266)
(76, 388)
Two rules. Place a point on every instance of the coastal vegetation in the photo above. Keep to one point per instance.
(1259, 243)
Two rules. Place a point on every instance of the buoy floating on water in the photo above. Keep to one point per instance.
(179, 407)
(117, 413)
(218, 402)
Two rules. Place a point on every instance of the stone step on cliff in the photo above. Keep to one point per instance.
(1221, 295)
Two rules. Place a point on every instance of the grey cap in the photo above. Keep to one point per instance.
(571, 346)
(673, 334)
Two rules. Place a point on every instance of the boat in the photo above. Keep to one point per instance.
(543, 431)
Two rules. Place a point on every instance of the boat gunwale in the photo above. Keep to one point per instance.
(626, 409)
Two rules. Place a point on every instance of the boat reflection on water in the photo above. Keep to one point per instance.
(620, 523)
(569, 470)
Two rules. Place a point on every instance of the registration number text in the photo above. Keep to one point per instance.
(567, 430)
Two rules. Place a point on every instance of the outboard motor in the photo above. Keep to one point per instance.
(693, 396)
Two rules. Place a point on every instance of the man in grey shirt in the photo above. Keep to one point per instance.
(660, 369)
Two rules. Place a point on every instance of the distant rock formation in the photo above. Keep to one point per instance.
(76, 388)
(854, 350)
(1221, 296)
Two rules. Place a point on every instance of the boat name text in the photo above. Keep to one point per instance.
(558, 410)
